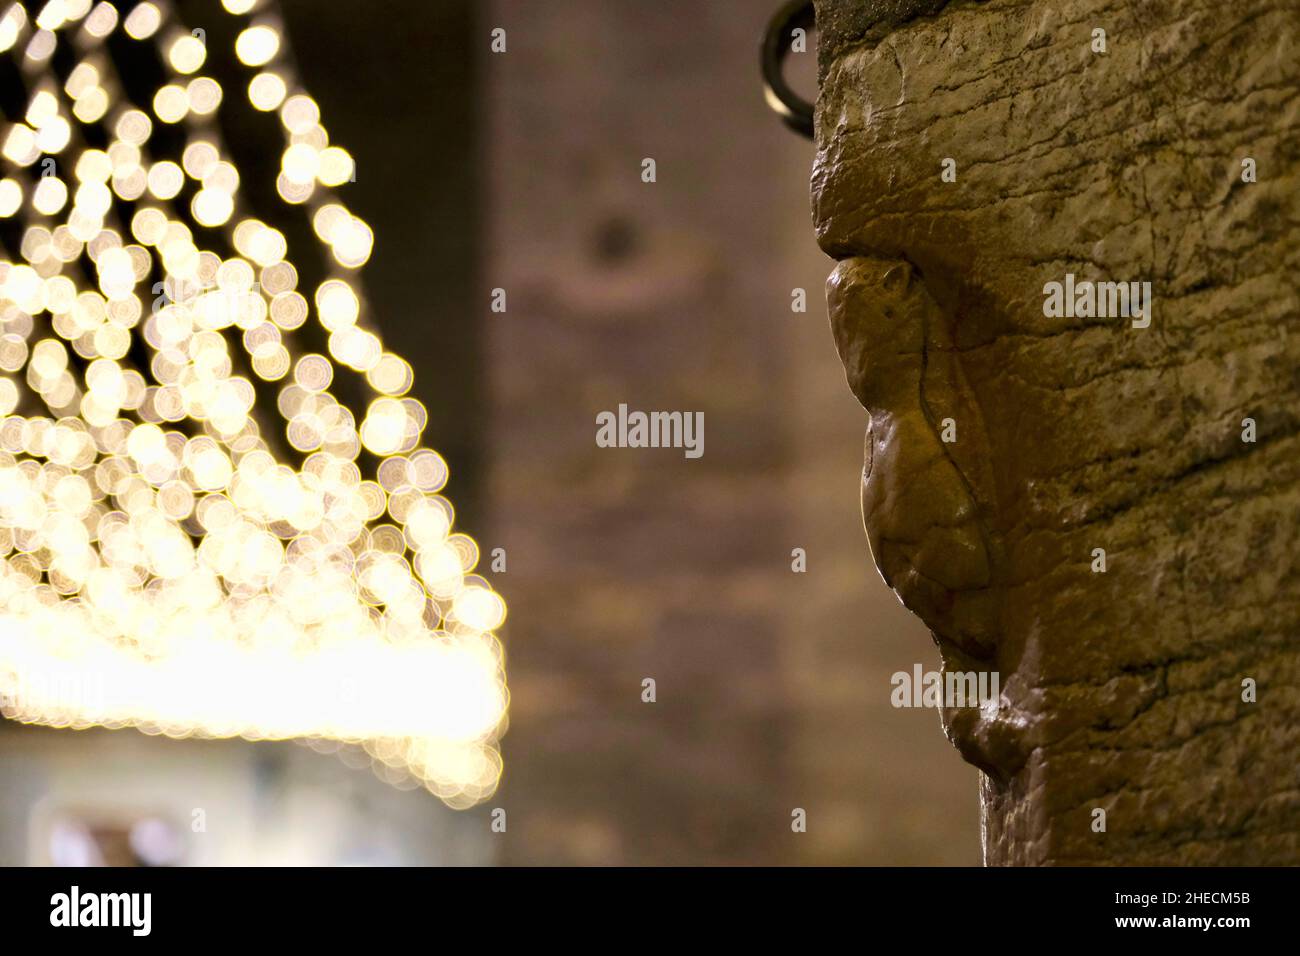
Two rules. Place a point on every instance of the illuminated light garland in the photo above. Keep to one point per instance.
(165, 566)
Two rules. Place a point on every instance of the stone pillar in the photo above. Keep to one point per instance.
(1096, 495)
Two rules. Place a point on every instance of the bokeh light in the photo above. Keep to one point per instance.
(199, 538)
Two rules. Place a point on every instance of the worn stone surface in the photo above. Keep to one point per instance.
(1121, 690)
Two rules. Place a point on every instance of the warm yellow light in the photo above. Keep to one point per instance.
(43, 107)
(187, 54)
(165, 179)
(20, 145)
(11, 197)
(266, 91)
(11, 24)
(41, 46)
(170, 104)
(198, 158)
(352, 243)
(91, 105)
(300, 114)
(300, 163)
(203, 94)
(94, 165)
(391, 375)
(142, 22)
(211, 207)
(154, 551)
(102, 20)
(53, 135)
(49, 196)
(84, 76)
(257, 45)
(337, 304)
(134, 127)
(336, 166)
(8, 396)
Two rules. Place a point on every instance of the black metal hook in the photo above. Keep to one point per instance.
(794, 110)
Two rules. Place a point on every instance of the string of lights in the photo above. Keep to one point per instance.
(181, 554)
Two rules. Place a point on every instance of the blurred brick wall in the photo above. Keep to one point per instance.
(624, 564)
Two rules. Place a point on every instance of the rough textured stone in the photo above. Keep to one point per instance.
(1120, 690)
